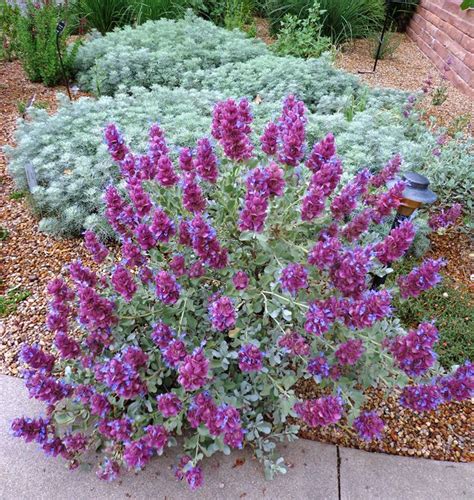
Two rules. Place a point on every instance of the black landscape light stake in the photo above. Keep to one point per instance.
(59, 30)
(415, 194)
(390, 7)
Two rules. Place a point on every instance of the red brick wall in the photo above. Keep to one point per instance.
(441, 30)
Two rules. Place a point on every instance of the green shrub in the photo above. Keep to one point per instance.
(8, 30)
(10, 301)
(302, 37)
(160, 52)
(36, 43)
(342, 20)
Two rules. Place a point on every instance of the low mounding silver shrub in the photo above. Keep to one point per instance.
(160, 52)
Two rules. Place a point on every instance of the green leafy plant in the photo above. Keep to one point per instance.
(36, 32)
(342, 20)
(390, 43)
(10, 301)
(4, 233)
(103, 15)
(467, 4)
(17, 195)
(439, 95)
(8, 30)
(302, 37)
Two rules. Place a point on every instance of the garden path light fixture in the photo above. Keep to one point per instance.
(415, 194)
(59, 30)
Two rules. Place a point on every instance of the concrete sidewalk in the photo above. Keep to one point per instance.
(25, 473)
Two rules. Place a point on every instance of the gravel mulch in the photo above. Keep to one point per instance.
(29, 259)
(406, 69)
(444, 434)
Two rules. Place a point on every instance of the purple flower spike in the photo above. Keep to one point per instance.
(250, 358)
(293, 278)
(369, 425)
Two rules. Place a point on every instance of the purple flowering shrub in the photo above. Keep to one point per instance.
(235, 279)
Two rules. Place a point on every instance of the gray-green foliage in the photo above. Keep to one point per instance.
(160, 52)
(272, 77)
(452, 173)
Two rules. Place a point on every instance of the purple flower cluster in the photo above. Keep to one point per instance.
(109, 470)
(123, 282)
(169, 404)
(420, 278)
(115, 143)
(325, 253)
(313, 203)
(186, 160)
(140, 198)
(222, 313)
(387, 201)
(445, 218)
(295, 344)
(262, 184)
(58, 317)
(95, 312)
(29, 429)
(322, 411)
(205, 162)
(166, 175)
(194, 371)
(349, 273)
(98, 251)
(321, 316)
(318, 367)
(36, 358)
(328, 175)
(193, 199)
(358, 225)
(269, 139)
(364, 312)
(138, 453)
(121, 373)
(291, 125)
(396, 243)
(193, 474)
(46, 388)
(369, 425)
(206, 244)
(346, 201)
(250, 358)
(413, 352)
(167, 288)
(224, 419)
(162, 226)
(321, 153)
(231, 127)
(294, 277)
(349, 352)
(421, 398)
(388, 172)
(240, 280)
(460, 385)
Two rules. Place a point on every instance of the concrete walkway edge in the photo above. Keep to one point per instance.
(318, 471)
